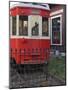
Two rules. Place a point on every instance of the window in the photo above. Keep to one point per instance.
(35, 29)
(44, 26)
(23, 25)
(56, 30)
(13, 25)
(34, 25)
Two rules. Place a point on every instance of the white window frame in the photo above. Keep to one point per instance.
(29, 29)
(22, 36)
(40, 29)
(60, 28)
(48, 36)
(17, 26)
(10, 21)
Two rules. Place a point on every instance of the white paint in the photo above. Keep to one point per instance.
(17, 25)
(33, 37)
(29, 29)
(56, 12)
(40, 26)
(31, 6)
(49, 27)
(29, 25)
(60, 28)
(10, 21)
(32, 20)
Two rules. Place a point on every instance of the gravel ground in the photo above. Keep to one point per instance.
(35, 78)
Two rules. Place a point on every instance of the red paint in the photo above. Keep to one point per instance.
(28, 11)
(36, 50)
(29, 44)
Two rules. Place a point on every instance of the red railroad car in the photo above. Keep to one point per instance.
(29, 33)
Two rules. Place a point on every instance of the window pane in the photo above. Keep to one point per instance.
(34, 25)
(23, 25)
(44, 26)
(35, 29)
(56, 30)
(14, 25)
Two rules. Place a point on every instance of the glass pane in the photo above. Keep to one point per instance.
(56, 30)
(44, 27)
(23, 25)
(14, 25)
(35, 29)
(34, 25)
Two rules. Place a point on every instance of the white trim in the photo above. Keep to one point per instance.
(60, 29)
(31, 5)
(40, 26)
(10, 25)
(56, 12)
(49, 27)
(56, 16)
(29, 24)
(25, 37)
(17, 25)
(51, 30)
(29, 29)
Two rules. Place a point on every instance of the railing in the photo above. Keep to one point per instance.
(34, 54)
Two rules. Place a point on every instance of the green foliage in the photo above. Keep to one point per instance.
(57, 67)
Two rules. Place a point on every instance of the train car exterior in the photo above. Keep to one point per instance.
(29, 33)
